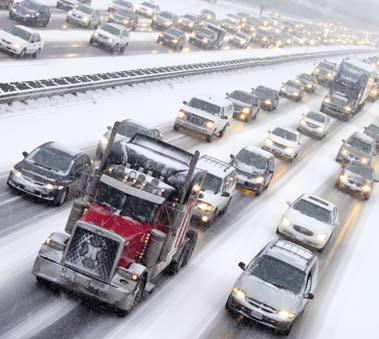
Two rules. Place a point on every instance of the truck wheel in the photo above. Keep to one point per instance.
(192, 239)
(136, 298)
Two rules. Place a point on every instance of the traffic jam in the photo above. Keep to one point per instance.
(140, 205)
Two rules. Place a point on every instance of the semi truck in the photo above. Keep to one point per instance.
(130, 225)
(349, 89)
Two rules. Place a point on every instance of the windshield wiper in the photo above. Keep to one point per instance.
(278, 285)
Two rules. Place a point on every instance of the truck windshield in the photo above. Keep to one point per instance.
(278, 273)
(348, 91)
(204, 106)
(211, 183)
(127, 205)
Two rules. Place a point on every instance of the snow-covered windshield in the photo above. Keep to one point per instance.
(129, 130)
(373, 129)
(205, 31)
(85, 9)
(252, 159)
(123, 3)
(167, 15)
(313, 211)
(111, 29)
(293, 83)
(204, 106)
(261, 91)
(51, 159)
(30, 5)
(363, 171)
(190, 17)
(148, 4)
(127, 205)
(125, 13)
(316, 116)
(307, 77)
(211, 183)
(359, 144)
(278, 273)
(17, 31)
(241, 35)
(283, 133)
(174, 31)
(242, 96)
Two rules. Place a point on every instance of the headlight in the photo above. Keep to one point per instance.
(181, 114)
(366, 188)
(320, 129)
(111, 16)
(317, 70)
(205, 207)
(347, 108)
(289, 150)
(285, 315)
(364, 161)
(327, 100)
(246, 110)
(154, 18)
(210, 124)
(259, 180)
(309, 86)
(264, 39)
(374, 92)
(345, 152)
(343, 178)
(175, 41)
(285, 222)
(17, 46)
(190, 24)
(85, 19)
(243, 116)
(296, 94)
(126, 22)
(95, 34)
(167, 23)
(104, 140)
(330, 75)
(49, 186)
(268, 102)
(205, 40)
(269, 142)
(303, 122)
(180, 21)
(16, 173)
(239, 293)
(241, 42)
(193, 35)
(69, 12)
(322, 237)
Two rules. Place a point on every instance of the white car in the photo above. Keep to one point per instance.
(123, 5)
(147, 9)
(310, 220)
(205, 116)
(216, 190)
(85, 16)
(111, 37)
(20, 41)
(314, 124)
(283, 142)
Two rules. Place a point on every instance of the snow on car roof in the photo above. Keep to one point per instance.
(259, 151)
(291, 253)
(118, 26)
(214, 100)
(62, 148)
(363, 137)
(27, 29)
(214, 166)
(318, 201)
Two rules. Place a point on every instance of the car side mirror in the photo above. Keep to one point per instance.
(109, 128)
(225, 194)
(270, 171)
(343, 140)
(232, 157)
(201, 196)
(185, 102)
(224, 117)
(25, 154)
(376, 180)
(289, 203)
(227, 95)
(309, 296)
(242, 266)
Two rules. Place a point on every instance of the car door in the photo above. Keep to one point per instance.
(38, 41)
(270, 170)
(44, 15)
(31, 47)
(97, 17)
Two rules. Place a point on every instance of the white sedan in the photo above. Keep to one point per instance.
(283, 142)
(309, 220)
(20, 41)
(315, 124)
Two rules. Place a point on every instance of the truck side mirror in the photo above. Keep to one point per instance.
(225, 194)
(185, 102)
(25, 154)
(242, 266)
(201, 196)
(309, 296)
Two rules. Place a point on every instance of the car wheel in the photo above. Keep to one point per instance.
(91, 41)
(61, 198)
(209, 138)
(222, 133)
(226, 207)
(22, 53)
(176, 127)
(114, 49)
(37, 52)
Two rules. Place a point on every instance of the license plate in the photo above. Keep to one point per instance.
(256, 314)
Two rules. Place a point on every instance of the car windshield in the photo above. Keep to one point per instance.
(148, 4)
(359, 144)
(242, 96)
(316, 116)
(211, 183)
(190, 17)
(128, 129)
(293, 83)
(85, 9)
(252, 159)
(51, 159)
(125, 13)
(241, 35)
(123, 3)
(167, 15)
(278, 273)
(17, 31)
(127, 205)
(111, 29)
(363, 171)
(313, 211)
(373, 129)
(285, 134)
(264, 92)
(204, 106)
(205, 31)
(30, 5)
(173, 31)
(327, 66)
(307, 77)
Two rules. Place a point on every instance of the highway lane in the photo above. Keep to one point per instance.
(89, 316)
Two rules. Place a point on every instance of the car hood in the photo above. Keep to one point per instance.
(372, 135)
(268, 294)
(283, 141)
(199, 113)
(241, 166)
(314, 225)
(23, 10)
(209, 197)
(38, 173)
(357, 178)
(291, 89)
(12, 38)
(80, 13)
(106, 34)
(239, 103)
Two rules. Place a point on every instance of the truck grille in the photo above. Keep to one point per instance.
(195, 119)
(303, 230)
(279, 145)
(261, 306)
(92, 253)
(311, 125)
(338, 102)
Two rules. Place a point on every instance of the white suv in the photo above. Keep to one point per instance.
(217, 189)
(205, 116)
(310, 220)
(112, 37)
(20, 40)
(84, 16)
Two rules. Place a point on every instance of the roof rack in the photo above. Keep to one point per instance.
(219, 162)
(323, 202)
(294, 249)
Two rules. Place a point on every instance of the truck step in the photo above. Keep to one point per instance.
(149, 288)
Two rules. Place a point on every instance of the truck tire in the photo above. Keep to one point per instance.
(192, 239)
(137, 296)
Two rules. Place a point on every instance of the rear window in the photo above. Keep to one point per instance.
(285, 134)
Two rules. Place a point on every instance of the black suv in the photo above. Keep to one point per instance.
(269, 98)
(31, 13)
(50, 172)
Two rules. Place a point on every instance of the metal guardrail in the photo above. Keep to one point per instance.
(25, 90)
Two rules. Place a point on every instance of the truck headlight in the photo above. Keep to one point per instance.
(269, 142)
(246, 110)
(259, 180)
(326, 100)
(49, 186)
(364, 161)
(343, 178)
(321, 237)
(210, 124)
(285, 315)
(104, 140)
(347, 108)
(366, 188)
(268, 102)
(240, 294)
(289, 150)
(285, 222)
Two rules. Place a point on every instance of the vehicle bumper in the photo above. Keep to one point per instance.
(302, 239)
(31, 188)
(267, 107)
(310, 90)
(199, 43)
(167, 42)
(78, 22)
(248, 184)
(101, 43)
(279, 152)
(258, 315)
(352, 189)
(25, 19)
(202, 216)
(9, 49)
(76, 282)
(335, 111)
(194, 128)
(239, 115)
(312, 132)
(290, 96)
(186, 27)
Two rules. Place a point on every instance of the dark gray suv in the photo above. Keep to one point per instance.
(31, 13)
